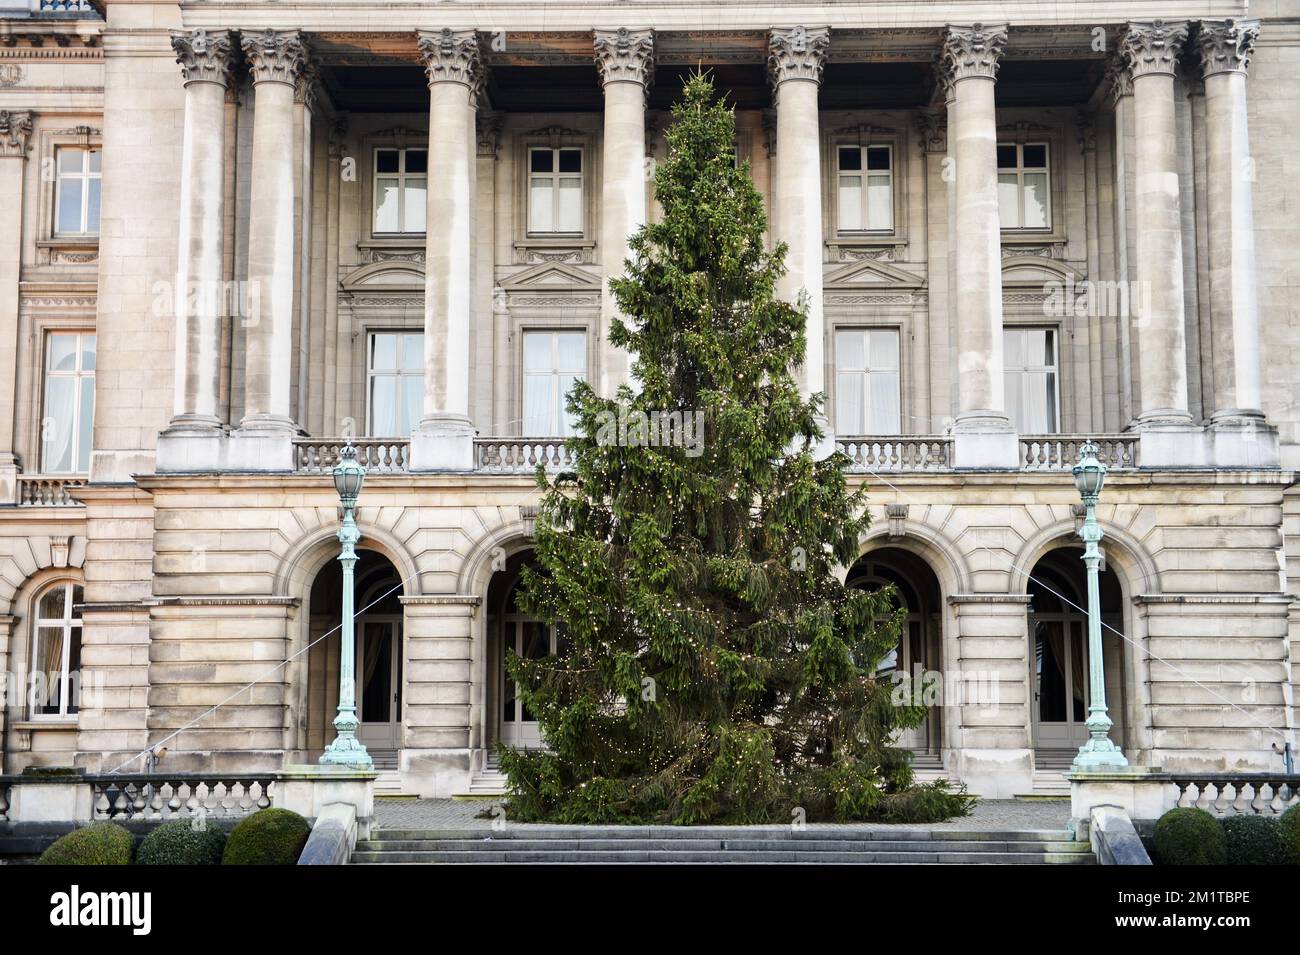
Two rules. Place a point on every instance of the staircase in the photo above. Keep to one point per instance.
(927, 767)
(389, 780)
(1050, 767)
(719, 844)
(488, 781)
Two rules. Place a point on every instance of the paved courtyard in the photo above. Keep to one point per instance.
(989, 814)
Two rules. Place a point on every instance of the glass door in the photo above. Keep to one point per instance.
(379, 682)
(1060, 680)
(531, 640)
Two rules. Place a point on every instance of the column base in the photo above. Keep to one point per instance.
(1172, 441)
(1244, 440)
(985, 440)
(8, 479)
(184, 451)
(443, 444)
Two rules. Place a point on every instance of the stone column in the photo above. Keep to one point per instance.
(1087, 129)
(1226, 47)
(1121, 102)
(444, 439)
(794, 60)
(199, 304)
(983, 434)
(15, 133)
(275, 59)
(625, 59)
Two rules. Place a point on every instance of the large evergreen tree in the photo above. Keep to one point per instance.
(711, 666)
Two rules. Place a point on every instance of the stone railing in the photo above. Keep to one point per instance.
(520, 455)
(897, 452)
(42, 491)
(152, 798)
(1227, 794)
(376, 455)
(1060, 452)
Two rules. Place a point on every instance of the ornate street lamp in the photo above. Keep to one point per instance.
(347, 750)
(1098, 753)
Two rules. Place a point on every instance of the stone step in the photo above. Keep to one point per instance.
(713, 845)
(742, 856)
(730, 833)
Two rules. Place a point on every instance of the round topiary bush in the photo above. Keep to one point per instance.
(267, 837)
(104, 843)
(1288, 831)
(1190, 837)
(1253, 840)
(178, 843)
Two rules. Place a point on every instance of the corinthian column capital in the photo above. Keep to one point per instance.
(625, 56)
(451, 56)
(972, 51)
(797, 54)
(1226, 46)
(275, 56)
(1153, 46)
(204, 57)
(15, 132)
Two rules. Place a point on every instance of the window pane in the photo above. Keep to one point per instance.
(570, 160)
(571, 351)
(850, 210)
(384, 352)
(48, 660)
(566, 421)
(52, 604)
(417, 160)
(880, 211)
(74, 669)
(69, 205)
(1049, 347)
(60, 398)
(878, 158)
(1035, 397)
(848, 402)
(1050, 425)
(1013, 348)
(1006, 157)
(413, 404)
(96, 160)
(850, 159)
(1011, 395)
(537, 405)
(92, 205)
(1008, 206)
(414, 200)
(383, 405)
(413, 351)
(542, 161)
(88, 352)
(884, 402)
(1035, 200)
(884, 349)
(1035, 156)
(570, 206)
(70, 160)
(851, 350)
(62, 353)
(386, 160)
(537, 351)
(540, 212)
(84, 424)
(386, 206)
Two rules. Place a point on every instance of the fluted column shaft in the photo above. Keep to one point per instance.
(275, 59)
(200, 301)
(625, 59)
(795, 60)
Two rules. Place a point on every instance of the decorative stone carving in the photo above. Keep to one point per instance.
(487, 130)
(15, 132)
(307, 85)
(896, 514)
(1121, 81)
(972, 51)
(769, 131)
(625, 56)
(1086, 126)
(1153, 46)
(59, 547)
(797, 54)
(275, 56)
(1226, 45)
(204, 57)
(451, 56)
(932, 124)
(11, 74)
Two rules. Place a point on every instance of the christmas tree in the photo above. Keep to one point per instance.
(711, 666)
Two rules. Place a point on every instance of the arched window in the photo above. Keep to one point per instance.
(54, 678)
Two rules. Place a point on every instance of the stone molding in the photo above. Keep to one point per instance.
(451, 56)
(625, 56)
(1226, 46)
(955, 599)
(797, 54)
(15, 132)
(972, 51)
(442, 600)
(275, 56)
(1153, 47)
(204, 57)
(1280, 599)
(222, 601)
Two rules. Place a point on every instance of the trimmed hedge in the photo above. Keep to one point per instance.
(104, 843)
(1190, 837)
(177, 843)
(1288, 831)
(1253, 840)
(267, 837)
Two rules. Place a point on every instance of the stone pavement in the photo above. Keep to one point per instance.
(989, 814)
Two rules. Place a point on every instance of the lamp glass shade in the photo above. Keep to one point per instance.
(348, 474)
(1089, 473)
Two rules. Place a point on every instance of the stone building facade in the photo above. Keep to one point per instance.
(236, 233)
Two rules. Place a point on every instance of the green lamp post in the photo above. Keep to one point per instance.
(1098, 753)
(347, 750)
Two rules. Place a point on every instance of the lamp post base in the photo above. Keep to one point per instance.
(1098, 754)
(346, 750)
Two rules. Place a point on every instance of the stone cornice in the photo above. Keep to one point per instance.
(204, 57)
(15, 132)
(972, 51)
(275, 56)
(798, 53)
(1226, 46)
(1153, 46)
(451, 56)
(625, 56)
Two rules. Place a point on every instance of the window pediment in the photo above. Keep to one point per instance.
(874, 275)
(386, 277)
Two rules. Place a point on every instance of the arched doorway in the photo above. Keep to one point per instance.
(1059, 666)
(920, 649)
(511, 630)
(377, 593)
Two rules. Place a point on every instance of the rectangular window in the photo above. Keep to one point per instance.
(866, 381)
(865, 188)
(553, 363)
(55, 670)
(1030, 369)
(555, 191)
(1024, 201)
(68, 410)
(401, 181)
(395, 385)
(78, 175)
